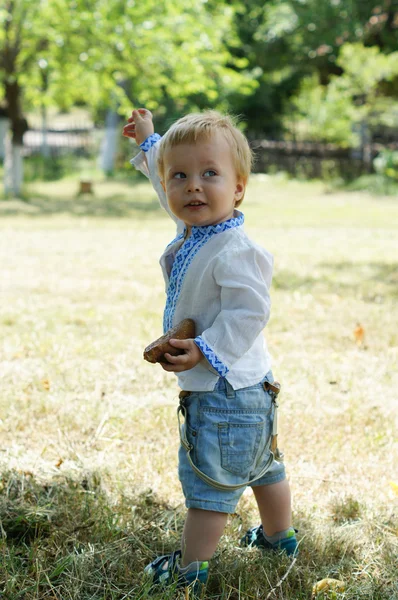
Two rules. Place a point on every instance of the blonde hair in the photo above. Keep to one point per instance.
(197, 127)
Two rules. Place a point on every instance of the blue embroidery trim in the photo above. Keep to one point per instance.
(183, 259)
(150, 141)
(220, 227)
(199, 236)
(211, 357)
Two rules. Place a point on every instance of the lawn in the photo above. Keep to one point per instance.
(88, 456)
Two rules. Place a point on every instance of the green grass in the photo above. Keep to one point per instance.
(89, 491)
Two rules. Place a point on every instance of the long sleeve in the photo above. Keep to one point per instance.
(245, 279)
(146, 162)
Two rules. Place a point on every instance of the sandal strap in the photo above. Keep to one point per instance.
(156, 566)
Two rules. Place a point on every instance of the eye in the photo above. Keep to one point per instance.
(209, 173)
(179, 175)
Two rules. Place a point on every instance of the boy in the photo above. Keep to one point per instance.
(218, 277)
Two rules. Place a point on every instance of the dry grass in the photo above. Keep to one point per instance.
(89, 486)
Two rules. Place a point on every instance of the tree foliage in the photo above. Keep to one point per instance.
(114, 54)
(330, 113)
(289, 41)
(100, 52)
(250, 57)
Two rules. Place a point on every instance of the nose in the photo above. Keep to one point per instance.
(193, 184)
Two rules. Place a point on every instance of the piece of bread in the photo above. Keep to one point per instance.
(155, 352)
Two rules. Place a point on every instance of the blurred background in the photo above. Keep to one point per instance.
(315, 83)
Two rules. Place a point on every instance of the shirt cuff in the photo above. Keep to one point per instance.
(140, 163)
(150, 141)
(211, 357)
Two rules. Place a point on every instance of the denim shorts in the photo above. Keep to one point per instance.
(228, 430)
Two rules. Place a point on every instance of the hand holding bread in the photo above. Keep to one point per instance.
(156, 351)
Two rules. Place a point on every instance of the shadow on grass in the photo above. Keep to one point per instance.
(68, 539)
(373, 281)
(115, 205)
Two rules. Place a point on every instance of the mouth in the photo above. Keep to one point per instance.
(195, 204)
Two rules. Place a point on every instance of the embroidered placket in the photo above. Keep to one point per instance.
(199, 236)
(183, 259)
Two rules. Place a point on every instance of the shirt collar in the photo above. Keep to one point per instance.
(236, 221)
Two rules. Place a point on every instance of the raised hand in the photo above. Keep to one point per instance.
(139, 126)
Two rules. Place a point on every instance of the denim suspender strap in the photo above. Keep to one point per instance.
(274, 388)
(229, 390)
(271, 446)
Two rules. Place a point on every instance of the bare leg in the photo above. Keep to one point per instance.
(202, 532)
(274, 505)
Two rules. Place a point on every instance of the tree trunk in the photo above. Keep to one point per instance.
(110, 142)
(13, 160)
(366, 146)
(13, 169)
(4, 125)
(45, 149)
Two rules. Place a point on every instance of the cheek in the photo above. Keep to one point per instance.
(170, 190)
(174, 185)
(173, 197)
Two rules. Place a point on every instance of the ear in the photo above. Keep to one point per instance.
(240, 189)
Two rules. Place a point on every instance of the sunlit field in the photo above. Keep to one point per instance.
(89, 492)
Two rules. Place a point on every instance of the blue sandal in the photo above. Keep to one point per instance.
(254, 537)
(170, 574)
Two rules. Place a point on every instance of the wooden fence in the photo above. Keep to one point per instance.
(300, 159)
(77, 140)
(314, 160)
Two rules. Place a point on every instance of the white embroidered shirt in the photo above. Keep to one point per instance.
(219, 278)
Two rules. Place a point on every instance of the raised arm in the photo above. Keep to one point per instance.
(140, 128)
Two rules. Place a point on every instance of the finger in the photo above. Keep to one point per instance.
(145, 113)
(184, 344)
(136, 116)
(167, 367)
(176, 360)
(129, 134)
(164, 365)
(173, 368)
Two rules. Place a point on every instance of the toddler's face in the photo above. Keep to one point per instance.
(201, 183)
